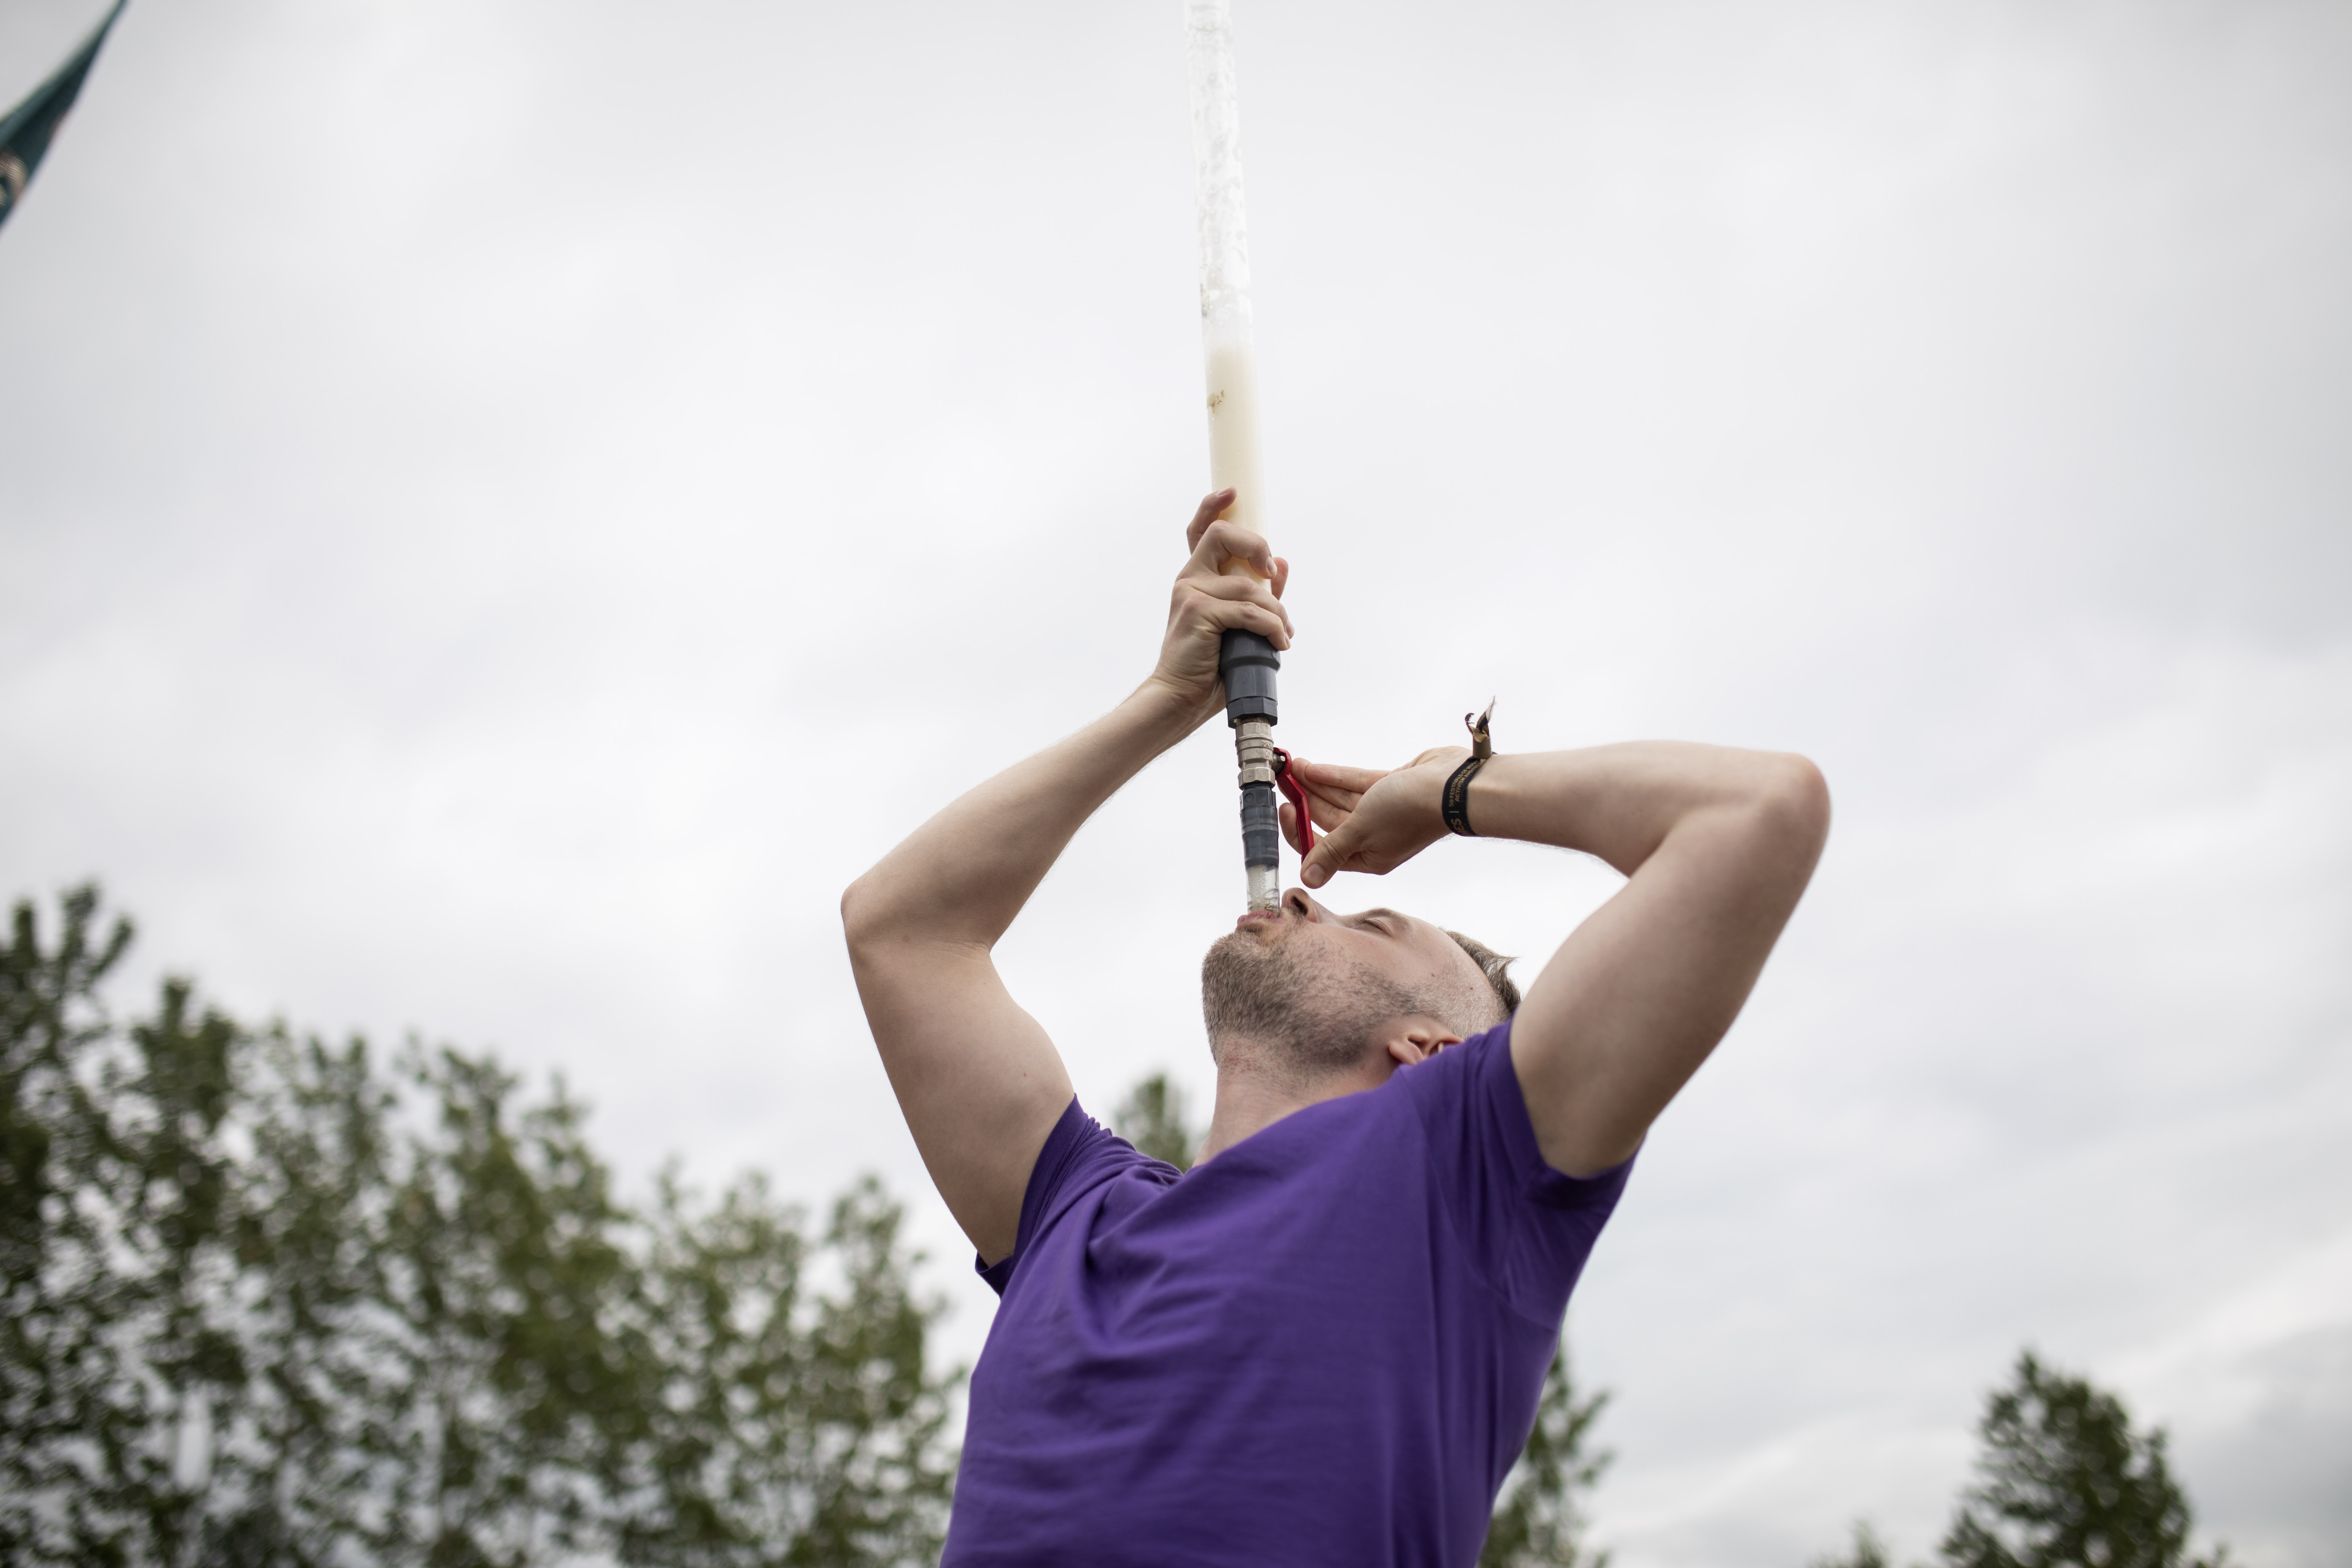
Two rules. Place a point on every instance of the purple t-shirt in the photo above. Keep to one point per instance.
(1323, 1346)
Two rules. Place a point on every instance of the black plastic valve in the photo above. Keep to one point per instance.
(1248, 662)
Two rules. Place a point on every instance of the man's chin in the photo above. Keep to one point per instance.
(1255, 949)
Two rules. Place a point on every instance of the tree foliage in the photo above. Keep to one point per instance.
(1867, 1551)
(274, 1302)
(1152, 1118)
(1538, 1520)
(2065, 1479)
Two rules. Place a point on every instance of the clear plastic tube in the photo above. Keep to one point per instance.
(1234, 455)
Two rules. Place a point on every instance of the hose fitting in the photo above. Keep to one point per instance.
(1248, 663)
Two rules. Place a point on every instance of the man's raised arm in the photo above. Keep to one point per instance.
(980, 1083)
(1717, 845)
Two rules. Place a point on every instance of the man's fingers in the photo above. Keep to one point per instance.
(1329, 819)
(1332, 809)
(1331, 805)
(1337, 778)
(1212, 507)
(1245, 589)
(1221, 541)
(1331, 852)
(1242, 615)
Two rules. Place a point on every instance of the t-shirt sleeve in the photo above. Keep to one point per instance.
(1529, 1227)
(1080, 1155)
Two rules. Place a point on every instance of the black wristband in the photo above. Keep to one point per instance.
(1455, 802)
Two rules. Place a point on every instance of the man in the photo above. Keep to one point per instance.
(1325, 1342)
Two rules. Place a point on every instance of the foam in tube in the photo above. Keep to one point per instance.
(1234, 455)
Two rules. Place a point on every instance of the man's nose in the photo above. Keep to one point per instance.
(1294, 901)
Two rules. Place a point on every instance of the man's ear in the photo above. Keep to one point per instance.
(1420, 1043)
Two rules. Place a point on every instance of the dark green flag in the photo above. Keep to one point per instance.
(25, 135)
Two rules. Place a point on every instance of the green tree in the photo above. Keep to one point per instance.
(66, 1410)
(1867, 1551)
(1539, 1517)
(168, 1181)
(2065, 1479)
(304, 1475)
(501, 1277)
(787, 1431)
(123, 1364)
(271, 1303)
(1152, 1118)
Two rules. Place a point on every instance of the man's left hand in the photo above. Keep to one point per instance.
(1369, 819)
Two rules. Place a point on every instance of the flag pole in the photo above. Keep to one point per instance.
(26, 130)
(1246, 660)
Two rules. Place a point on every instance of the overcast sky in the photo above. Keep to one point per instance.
(509, 505)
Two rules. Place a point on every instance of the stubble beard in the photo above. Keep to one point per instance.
(1312, 1020)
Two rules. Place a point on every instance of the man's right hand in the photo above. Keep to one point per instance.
(1207, 601)
(978, 1081)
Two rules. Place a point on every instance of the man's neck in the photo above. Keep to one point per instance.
(1253, 1094)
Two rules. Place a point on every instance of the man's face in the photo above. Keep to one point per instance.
(1323, 991)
